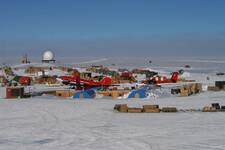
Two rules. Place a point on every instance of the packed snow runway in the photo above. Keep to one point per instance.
(49, 123)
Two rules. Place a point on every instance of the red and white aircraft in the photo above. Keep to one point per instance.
(158, 80)
(76, 80)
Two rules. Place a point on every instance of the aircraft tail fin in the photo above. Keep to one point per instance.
(174, 77)
(106, 81)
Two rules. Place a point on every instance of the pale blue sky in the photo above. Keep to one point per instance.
(112, 27)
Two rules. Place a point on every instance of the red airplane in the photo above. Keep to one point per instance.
(161, 79)
(75, 80)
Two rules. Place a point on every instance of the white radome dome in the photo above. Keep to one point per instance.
(48, 55)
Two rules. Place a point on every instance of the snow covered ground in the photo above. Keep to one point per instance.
(54, 123)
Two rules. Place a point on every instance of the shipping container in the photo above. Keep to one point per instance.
(14, 92)
(220, 84)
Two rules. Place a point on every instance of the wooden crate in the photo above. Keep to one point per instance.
(150, 106)
(134, 110)
(208, 109)
(213, 88)
(193, 88)
(151, 110)
(185, 90)
(121, 107)
(199, 87)
(184, 93)
(64, 93)
(125, 81)
(117, 106)
(104, 93)
(115, 94)
(169, 109)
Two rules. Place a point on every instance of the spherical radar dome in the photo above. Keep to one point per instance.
(48, 55)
